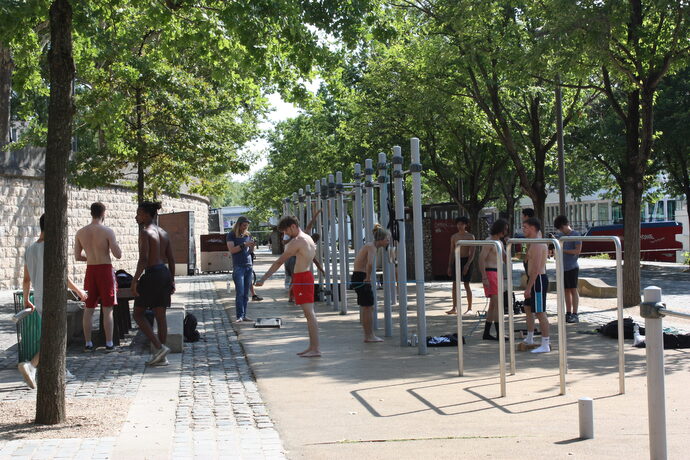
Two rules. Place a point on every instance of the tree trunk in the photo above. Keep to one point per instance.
(6, 69)
(632, 203)
(141, 146)
(50, 399)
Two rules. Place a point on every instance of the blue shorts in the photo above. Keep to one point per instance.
(538, 299)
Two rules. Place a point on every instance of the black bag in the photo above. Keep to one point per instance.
(123, 279)
(448, 340)
(189, 328)
(610, 329)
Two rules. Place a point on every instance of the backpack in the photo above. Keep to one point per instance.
(123, 279)
(189, 328)
(610, 329)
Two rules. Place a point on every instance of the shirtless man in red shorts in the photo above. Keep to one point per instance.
(302, 246)
(487, 265)
(98, 242)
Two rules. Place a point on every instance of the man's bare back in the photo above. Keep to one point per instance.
(303, 247)
(98, 241)
(155, 244)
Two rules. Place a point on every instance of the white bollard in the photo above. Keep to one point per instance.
(585, 410)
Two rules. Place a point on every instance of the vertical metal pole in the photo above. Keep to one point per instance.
(502, 316)
(319, 229)
(511, 314)
(300, 208)
(458, 294)
(416, 169)
(559, 137)
(402, 251)
(369, 225)
(334, 251)
(343, 246)
(326, 238)
(656, 391)
(385, 262)
(619, 296)
(307, 205)
(357, 209)
(560, 305)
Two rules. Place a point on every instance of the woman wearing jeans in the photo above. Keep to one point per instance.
(240, 244)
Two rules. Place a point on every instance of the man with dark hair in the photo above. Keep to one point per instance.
(488, 266)
(302, 247)
(527, 213)
(466, 255)
(153, 282)
(537, 286)
(571, 268)
(33, 274)
(93, 244)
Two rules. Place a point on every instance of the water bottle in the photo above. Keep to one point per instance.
(21, 315)
(228, 286)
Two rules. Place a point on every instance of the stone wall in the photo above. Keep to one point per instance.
(21, 205)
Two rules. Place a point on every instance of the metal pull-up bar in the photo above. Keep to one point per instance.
(560, 300)
(501, 326)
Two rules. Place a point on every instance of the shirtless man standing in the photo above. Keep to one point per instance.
(466, 256)
(537, 286)
(153, 288)
(487, 265)
(361, 280)
(303, 248)
(98, 242)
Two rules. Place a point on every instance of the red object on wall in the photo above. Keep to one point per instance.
(443, 229)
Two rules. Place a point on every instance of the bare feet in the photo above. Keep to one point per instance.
(452, 311)
(372, 339)
(310, 354)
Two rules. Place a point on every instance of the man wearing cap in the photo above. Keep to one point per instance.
(240, 244)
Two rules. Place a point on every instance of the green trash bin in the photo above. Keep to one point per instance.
(28, 330)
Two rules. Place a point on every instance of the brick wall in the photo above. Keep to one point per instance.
(21, 205)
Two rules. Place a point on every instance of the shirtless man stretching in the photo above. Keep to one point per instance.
(98, 242)
(361, 280)
(537, 286)
(487, 265)
(153, 288)
(466, 256)
(303, 248)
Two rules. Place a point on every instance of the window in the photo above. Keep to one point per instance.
(671, 209)
(602, 213)
(617, 213)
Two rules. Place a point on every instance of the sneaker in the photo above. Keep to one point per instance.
(28, 371)
(528, 341)
(238, 320)
(109, 349)
(247, 320)
(544, 348)
(69, 376)
(161, 353)
(88, 348)
(568, 317)
(256, 298)
(575, 318)
(163, 362)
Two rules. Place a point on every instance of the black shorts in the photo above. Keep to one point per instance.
(570, 278)
(466, 278)
(538, 299)
(365, 295)
(154, 288)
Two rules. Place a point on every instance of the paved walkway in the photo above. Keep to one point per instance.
(218, 411)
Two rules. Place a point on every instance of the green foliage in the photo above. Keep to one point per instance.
(232, 194)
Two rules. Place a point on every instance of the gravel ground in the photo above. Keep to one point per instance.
(86, 418)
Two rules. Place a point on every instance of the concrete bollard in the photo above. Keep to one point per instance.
(586, 412)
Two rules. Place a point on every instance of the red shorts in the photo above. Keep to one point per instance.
(492, 276)
(100, 284)
(303, 287)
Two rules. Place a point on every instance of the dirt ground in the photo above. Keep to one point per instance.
(86, 418)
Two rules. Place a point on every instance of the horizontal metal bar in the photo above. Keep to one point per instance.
(677, 314)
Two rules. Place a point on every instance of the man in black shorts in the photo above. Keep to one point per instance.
(571, 268)
(361, 280)
(153, 282)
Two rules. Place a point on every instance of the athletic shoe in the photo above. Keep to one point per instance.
(69, 376)
(544, 348)
(28, 371)
(161, 353)
(528, 342)
(247, 320)
(575, 317)
(109, 349)
(256, 298)
(569, 318)
(163, 362)
(238, 320)
(88, 348)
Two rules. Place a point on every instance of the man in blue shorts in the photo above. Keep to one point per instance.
(537, 286)
(571, 269)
